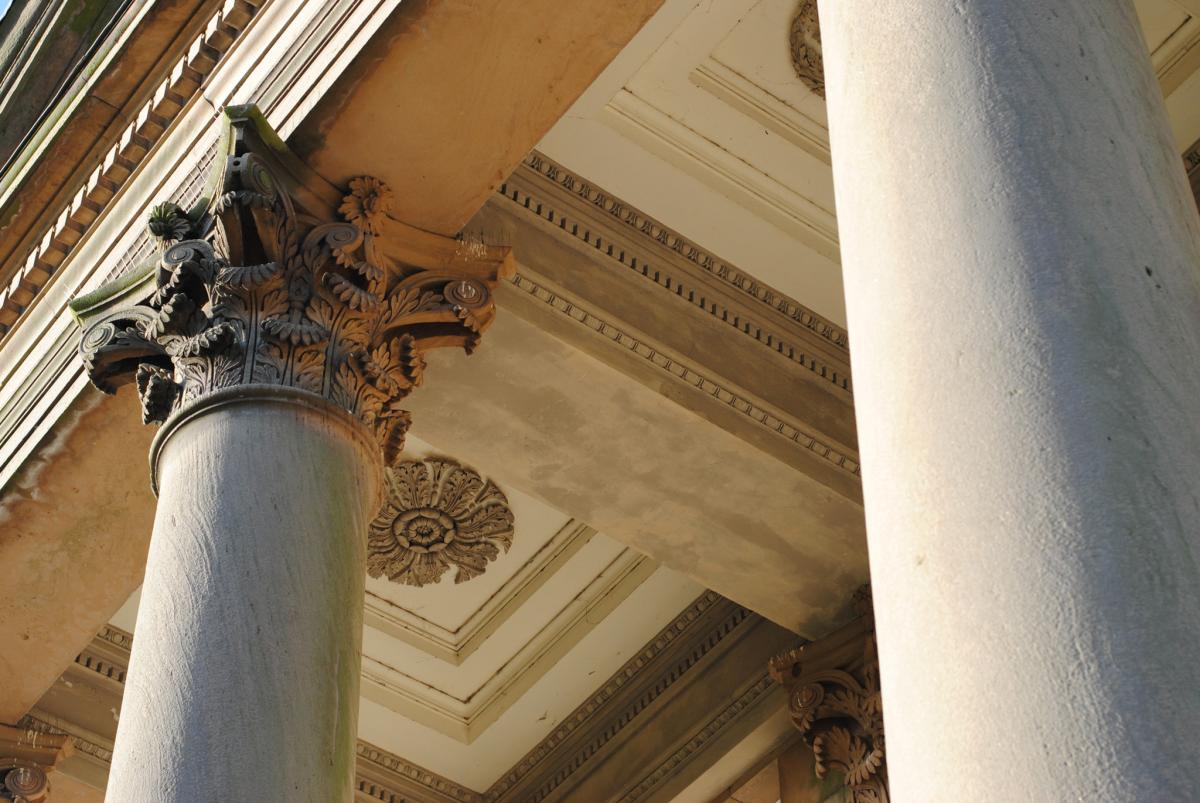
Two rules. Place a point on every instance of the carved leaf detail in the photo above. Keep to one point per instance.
(839, 713)
(298, 333)
(270, 283)
(355, 297)
(172, 316)
(157, 390)
(246, 277)
(210, 340)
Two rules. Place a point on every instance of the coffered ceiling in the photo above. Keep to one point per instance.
(463, 680)
(702, 123)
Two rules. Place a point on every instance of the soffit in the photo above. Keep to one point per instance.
(702, 123)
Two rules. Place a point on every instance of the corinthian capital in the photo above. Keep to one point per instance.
(835, 702)
(279, 278)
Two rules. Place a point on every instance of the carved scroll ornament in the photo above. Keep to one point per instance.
(438, 515)
(27, 758)
(834, 701)
(279, 278)
(806, 47)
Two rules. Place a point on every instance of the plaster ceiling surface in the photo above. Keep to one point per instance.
(465, 679)
(702, 123)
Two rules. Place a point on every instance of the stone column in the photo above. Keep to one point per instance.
(245, 669)
(276, 333)
(1021, 261)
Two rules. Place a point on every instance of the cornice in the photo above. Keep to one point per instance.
(777, 425)
(149, 123)
(667, 769)
(383, 775)
(108, 654)
(628, 701)
(619, 285)
(594, 704)
(770, 317)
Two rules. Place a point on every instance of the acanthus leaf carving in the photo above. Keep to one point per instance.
(281, 279)
(805, 42)
(835, 702)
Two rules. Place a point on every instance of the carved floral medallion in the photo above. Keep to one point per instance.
(438, 514)
(278, 278)
(806, 47)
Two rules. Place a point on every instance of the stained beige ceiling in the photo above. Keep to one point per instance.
(465, 679)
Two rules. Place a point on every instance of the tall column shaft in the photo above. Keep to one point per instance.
(245, 671)
(1021, 261)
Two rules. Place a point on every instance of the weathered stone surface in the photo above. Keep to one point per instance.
(1024, 303)
(74, 530)
(564, 427)
(244, 676)
(492, 77)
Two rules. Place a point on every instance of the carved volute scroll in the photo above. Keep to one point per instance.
(278, 278)
(806, 47)
(834, 701)
(438, 514)
(27, 758)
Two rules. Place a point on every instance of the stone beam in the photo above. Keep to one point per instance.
(623, 456)
(491, 76)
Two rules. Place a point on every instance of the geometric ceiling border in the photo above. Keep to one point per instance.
(465, 720)
(454, 646)
(675, 657)
(709, 630)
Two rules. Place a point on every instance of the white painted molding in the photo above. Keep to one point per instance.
(465, 719)
(454, 646)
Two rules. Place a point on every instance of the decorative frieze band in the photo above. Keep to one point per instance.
(832, 366)
(648, 785)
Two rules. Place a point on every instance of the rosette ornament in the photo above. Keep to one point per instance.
(279, 278)
(439, 514)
